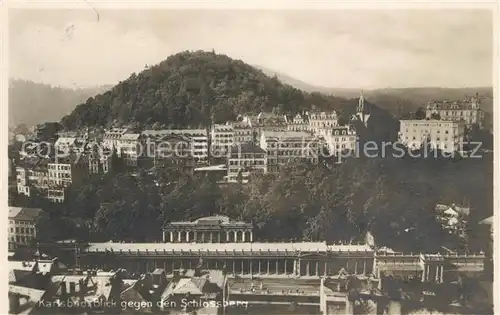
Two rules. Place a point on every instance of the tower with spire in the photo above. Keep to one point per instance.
(361, 113)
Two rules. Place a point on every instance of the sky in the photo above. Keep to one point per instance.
(329, 48)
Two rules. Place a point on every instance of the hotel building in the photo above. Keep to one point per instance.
(339, 139)
(222, 137)
(446, 136)
(244, 159)
(22, 226)
(467, 111)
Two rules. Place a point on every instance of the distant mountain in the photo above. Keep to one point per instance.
(398, 101)
(32, 103)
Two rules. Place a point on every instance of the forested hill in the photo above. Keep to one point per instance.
(190, 89)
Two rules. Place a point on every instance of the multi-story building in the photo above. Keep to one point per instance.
(131, 147)
(174, 151)
(243, 133)
(100, 160)
(22, 226)
(222, 137)
(285, 147)
(467, 110)
(299, 122)
(199, 138)
(32, 173)
(339, 139)
(112, 138)
(215, 229)
(64, 172)
(446, 136)
(244, 159)
(65, 144)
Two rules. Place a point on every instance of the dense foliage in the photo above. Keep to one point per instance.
(392, 198)
(192, 89)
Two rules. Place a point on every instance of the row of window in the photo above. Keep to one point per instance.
(22, 230)
(59, 167)
(19, 239)
(247, 163)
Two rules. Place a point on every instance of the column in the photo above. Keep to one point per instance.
(424, 272)
(307, 268)
(218, 237)
(210, 237)
(233, 267)
(179, 233)
(235, 234)
(442, 273)
(437, 272)
(355, 267)
(187, 235)
(326, 267)
(227, 236)
(164, 237)
(285, 265)
(195, 236)
(364, 266)
(242, 267)
(259, 266)
(277, 270)
(203, 237)
(317, 268)
(267, 266)
(243, 236)
(171, 237)
(251, 266)
(251, 236)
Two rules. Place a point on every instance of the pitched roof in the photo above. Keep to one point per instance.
(26, 214)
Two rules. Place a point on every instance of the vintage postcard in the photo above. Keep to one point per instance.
(267, 160)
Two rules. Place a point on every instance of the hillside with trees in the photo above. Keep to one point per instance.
(32, 103)
(193, 89)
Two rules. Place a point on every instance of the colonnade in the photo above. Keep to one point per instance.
(224, 236)
(237, 266)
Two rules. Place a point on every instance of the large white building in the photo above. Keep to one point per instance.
(112, 138)
(467, 110)
(339, 139)
(319, 120)
(285, 147)
(222, 137)
(444, 135)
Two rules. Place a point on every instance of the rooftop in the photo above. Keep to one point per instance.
(230, 247)
(286, 134)
(25, 214)
(246, 148)
(213, 220)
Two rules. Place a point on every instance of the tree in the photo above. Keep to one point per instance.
(420, 113)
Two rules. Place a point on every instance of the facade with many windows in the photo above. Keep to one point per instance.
(339, 139)
(64, 172)
(446, 136)
(197, 137)
(22, 226)
(222, 137)
(244, 159)
(467, 111)
(285, 147)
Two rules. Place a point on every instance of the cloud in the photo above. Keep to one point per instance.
(329, 48)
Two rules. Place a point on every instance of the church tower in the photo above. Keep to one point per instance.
(361, 113)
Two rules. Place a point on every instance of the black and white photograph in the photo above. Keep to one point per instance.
(257, 161)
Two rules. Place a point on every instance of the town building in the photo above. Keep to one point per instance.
(299, 122)
(221, 138)
(64, 172)
(467, 111)
(32, 173)
(339, 138)
(112, 138)
(319, 120)
(198, 138)
(244, 159)
(243, 132)
(215, 229)
(173, 151)
(100, 160)
(132, 148)
(447, 136)
(22, 226)
(285, 147)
